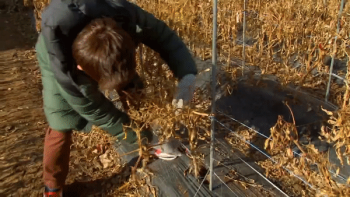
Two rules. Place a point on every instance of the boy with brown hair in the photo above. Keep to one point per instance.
(84, 47)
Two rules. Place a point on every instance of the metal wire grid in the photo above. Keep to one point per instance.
(213, 119)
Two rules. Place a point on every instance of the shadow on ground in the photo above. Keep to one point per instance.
(14, 14)
(259, 107)
(98, 187)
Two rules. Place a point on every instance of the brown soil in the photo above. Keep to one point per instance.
(23, 124)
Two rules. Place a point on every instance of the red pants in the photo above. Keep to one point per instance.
(56, 158)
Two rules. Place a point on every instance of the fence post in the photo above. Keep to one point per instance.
(334, 51)
(243, 37)
(213, 93)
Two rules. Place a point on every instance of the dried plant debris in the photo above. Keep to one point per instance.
(98, 150)
(101, 160)
(339, 133)
(312, 166)
(245, 182)
(286, 168)
(246, 135)
(101, 163)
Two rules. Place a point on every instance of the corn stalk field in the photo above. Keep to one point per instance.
(291, 40)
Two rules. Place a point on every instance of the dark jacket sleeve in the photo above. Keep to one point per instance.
(59, 21)
(159, 37)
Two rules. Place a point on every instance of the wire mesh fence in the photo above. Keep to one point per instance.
(282, 60)
(301, 47)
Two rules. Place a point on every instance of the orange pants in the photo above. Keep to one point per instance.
(56, 158)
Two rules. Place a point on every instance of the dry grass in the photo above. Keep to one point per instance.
(286, 33)
(288, 39)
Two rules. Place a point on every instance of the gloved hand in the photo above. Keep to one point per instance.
(185, 90)
(168, 150)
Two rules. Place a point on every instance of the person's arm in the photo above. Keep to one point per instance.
(58, 21)
(96, 108)
(159, 37)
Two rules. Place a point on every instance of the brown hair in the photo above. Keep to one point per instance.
(106, 53)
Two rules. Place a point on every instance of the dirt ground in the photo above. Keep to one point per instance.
(22, 123)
